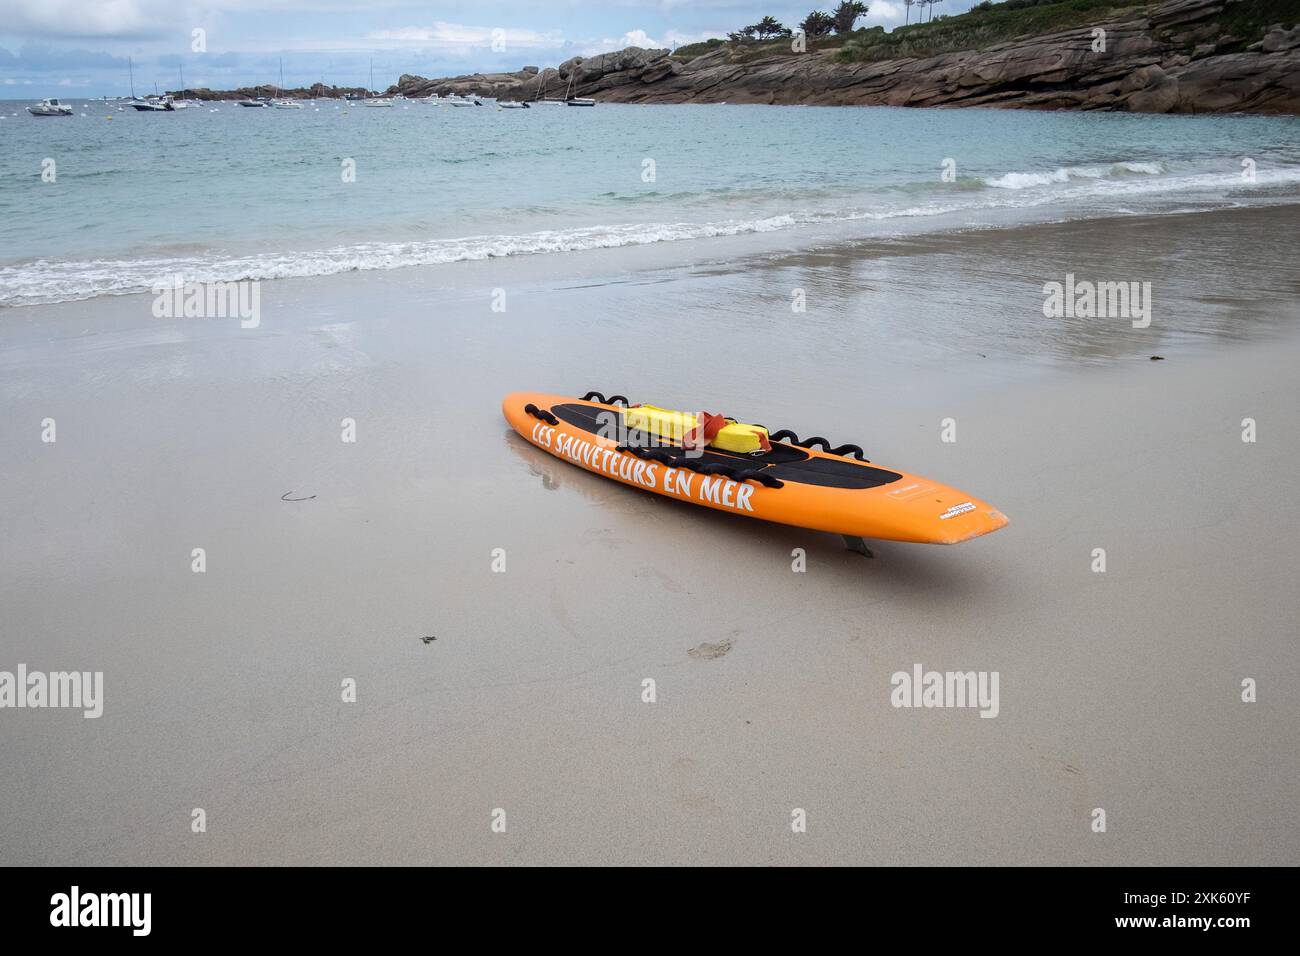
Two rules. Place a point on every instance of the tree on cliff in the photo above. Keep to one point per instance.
(846, 14)
(927, 3)
(818, 24)
(767, 28)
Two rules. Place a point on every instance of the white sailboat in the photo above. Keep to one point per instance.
(253, 102)
(145, 105)
(283, 102)
(570, 99)
(183, 103)
(150, 104)
(376, 102)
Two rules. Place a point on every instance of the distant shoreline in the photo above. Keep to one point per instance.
(1141, 56)
(1181, 56)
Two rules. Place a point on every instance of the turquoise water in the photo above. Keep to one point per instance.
(221, 192)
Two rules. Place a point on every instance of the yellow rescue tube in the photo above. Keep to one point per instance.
(678, 426)
(792, 484)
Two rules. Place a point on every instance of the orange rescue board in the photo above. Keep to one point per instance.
(818, 489)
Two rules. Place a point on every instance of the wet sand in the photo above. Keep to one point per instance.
(1118, 690)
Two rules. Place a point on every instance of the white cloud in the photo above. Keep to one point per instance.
(638, 37)
(452, 35)
(883, 12)
(102, 18)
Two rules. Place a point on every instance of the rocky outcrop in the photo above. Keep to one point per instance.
(499, 85)
(1172, 58)
(317, 91)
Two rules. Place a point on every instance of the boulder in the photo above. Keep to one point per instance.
(1277, 40)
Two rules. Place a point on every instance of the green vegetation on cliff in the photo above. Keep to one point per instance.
(983, 26)
(989, 24)
(1250, 19)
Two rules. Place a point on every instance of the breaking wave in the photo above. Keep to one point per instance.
(1065, 174)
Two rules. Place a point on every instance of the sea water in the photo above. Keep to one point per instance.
(112, 201)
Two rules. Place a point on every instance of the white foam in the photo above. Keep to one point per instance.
(1028, 180)
(44, 281)
(1064, 174)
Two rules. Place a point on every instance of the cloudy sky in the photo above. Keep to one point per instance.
(48, 47)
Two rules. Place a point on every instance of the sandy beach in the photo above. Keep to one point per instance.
(522, 690)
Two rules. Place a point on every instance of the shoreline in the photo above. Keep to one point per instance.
(827, 237)
(1204, 288)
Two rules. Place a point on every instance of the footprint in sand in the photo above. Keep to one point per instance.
(710, 652)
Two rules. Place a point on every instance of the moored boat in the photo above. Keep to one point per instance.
(154, 104)
(50, 107)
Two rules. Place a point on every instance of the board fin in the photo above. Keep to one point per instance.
(855, 543)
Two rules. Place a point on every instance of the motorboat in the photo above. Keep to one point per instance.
(154, 104)
(50, 107)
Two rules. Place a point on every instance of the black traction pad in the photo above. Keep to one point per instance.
(784, 461)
